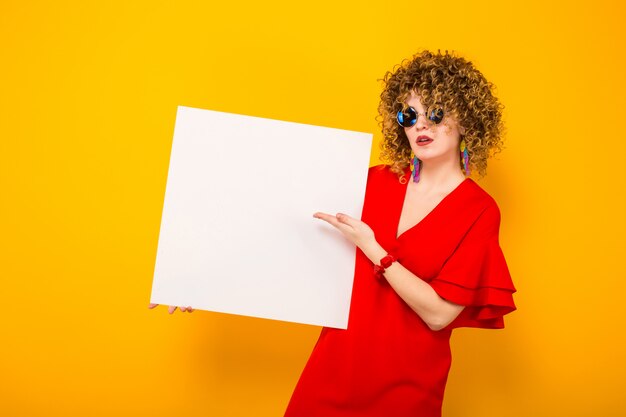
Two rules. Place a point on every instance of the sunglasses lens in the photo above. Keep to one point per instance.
(407, 118)
(435, 114)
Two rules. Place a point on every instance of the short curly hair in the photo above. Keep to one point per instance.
(447, 80)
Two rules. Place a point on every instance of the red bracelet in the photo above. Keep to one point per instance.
(385, 263)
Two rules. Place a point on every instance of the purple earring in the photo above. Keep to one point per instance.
(464, 158)
(415, 167)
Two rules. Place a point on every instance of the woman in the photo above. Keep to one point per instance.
(428, 257)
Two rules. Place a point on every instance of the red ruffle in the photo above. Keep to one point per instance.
(477, 276)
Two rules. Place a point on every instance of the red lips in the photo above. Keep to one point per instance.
(423, 140)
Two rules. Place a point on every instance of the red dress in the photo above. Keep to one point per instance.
(389, 362)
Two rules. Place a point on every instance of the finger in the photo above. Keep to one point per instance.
(171, 309)
(183, 309)
(189, 310)
(152, 305)
(344, 218)
(329, 218)
(346, 229)
(320, 215)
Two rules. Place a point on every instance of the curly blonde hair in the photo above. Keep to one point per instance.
(452, 82)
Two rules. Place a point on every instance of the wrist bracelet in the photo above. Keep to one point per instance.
(385, 263)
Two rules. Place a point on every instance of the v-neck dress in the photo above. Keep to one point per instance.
(389, 362)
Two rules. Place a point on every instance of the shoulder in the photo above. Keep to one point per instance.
(482, 204)
(382, 173)
(481, 196)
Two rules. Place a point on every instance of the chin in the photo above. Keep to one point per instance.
(434, 156)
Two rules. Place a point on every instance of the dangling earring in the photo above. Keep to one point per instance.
(464, 157)
(415, 167)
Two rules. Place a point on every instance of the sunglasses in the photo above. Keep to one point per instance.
(408, 117)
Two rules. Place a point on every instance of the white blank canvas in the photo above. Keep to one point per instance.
(237, 233)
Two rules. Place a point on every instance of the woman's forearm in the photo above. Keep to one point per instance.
(436, 312)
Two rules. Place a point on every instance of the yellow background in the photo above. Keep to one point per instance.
(88, 96)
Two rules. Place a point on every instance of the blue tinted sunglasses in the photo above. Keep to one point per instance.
(408, 117)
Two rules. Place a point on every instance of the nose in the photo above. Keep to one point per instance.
(422, 122)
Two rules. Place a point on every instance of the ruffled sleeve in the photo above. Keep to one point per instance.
(476, 275)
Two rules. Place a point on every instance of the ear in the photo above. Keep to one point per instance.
(462, 130)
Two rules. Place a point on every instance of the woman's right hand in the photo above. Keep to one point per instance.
(171, 309)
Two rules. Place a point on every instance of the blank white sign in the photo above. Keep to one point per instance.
(237, 232)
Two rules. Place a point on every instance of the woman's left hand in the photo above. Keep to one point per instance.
(354, 230)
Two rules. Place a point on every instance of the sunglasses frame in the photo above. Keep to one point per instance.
(432, 110)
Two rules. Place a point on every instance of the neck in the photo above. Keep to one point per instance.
(440, 174)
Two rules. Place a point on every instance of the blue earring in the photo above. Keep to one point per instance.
(415, 167)
(465, 158)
